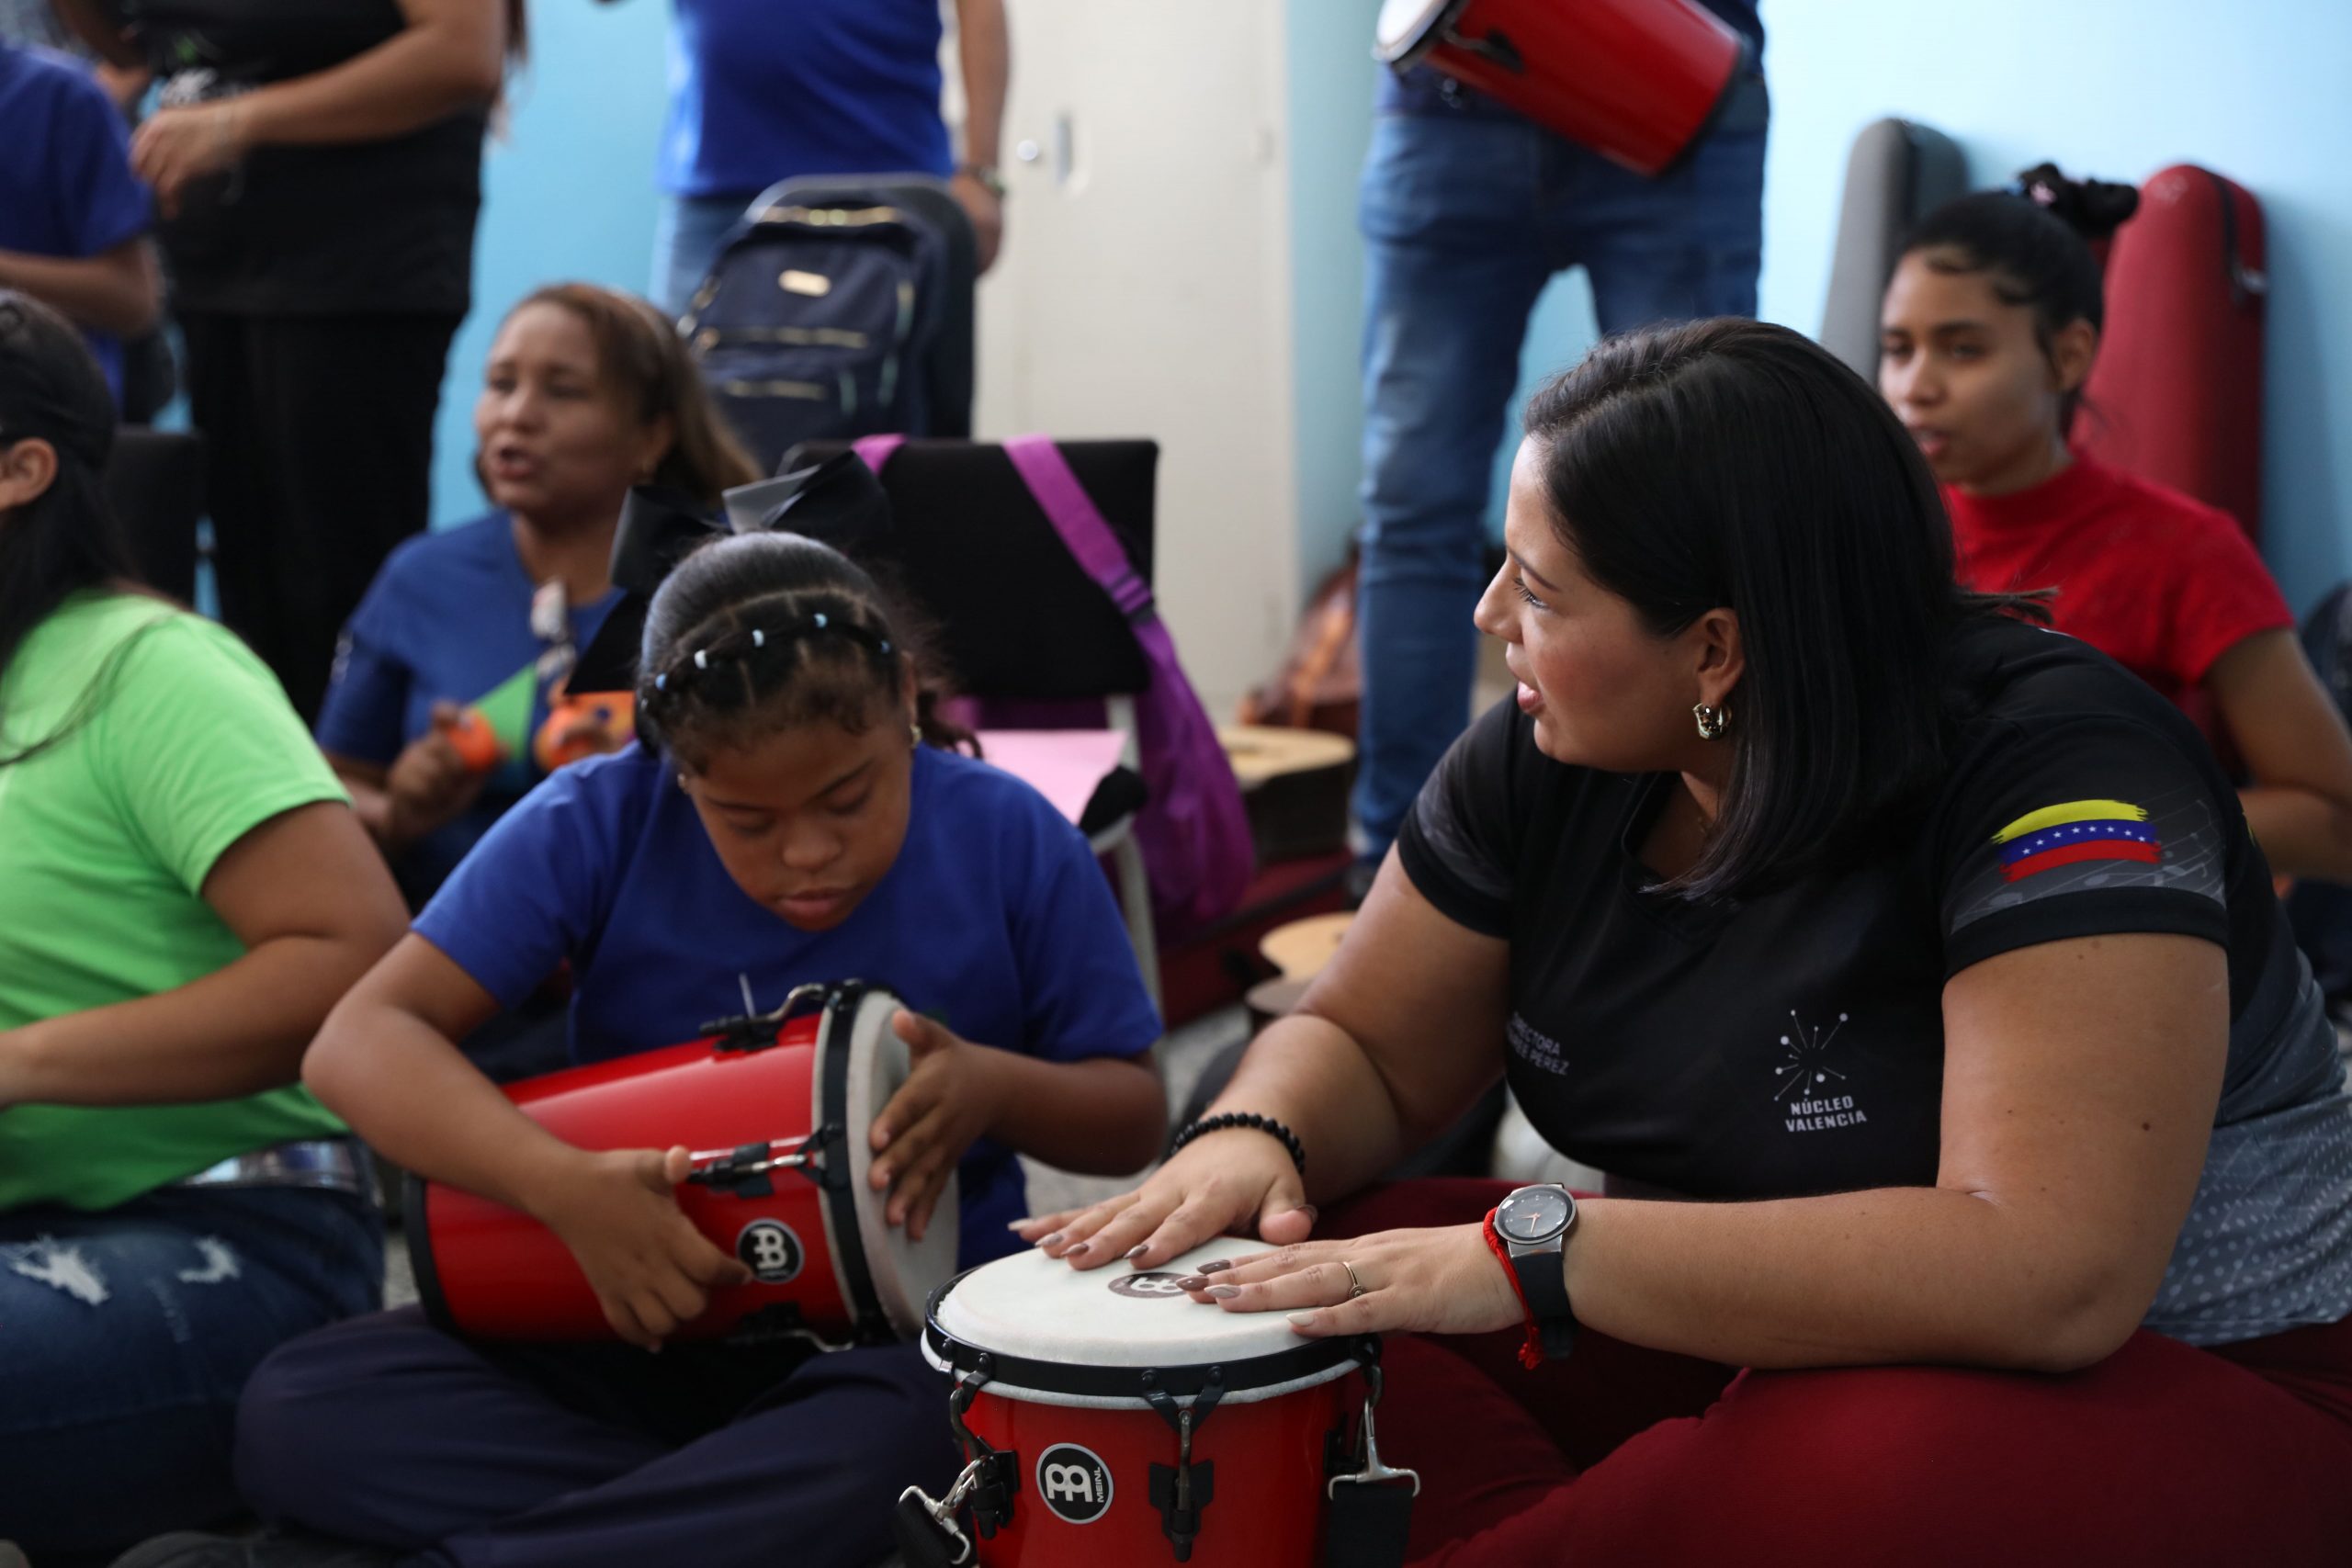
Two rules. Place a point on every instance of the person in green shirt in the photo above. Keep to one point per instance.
(184, 894)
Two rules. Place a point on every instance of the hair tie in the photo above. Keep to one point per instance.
(821, 620)
(702, 659)
(885, 645)
(661, 682)
(758, 637)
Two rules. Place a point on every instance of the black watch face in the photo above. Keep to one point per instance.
(1534, 1213)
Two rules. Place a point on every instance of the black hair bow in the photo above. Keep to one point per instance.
(837, 502)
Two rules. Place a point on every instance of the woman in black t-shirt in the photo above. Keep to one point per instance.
(318, 164)
(1910, 969)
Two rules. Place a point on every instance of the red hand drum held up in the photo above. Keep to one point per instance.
(1108, 1418)
(776, 1108)
(1636, 80)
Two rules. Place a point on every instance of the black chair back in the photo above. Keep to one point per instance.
(1016, 616)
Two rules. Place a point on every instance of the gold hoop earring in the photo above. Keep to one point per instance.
(1712, 721)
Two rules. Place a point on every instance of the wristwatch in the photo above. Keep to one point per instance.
(986, 176)
(1533, 1224)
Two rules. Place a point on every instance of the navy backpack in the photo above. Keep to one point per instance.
(820, 321)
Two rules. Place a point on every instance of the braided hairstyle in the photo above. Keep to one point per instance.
(759, 633)
(2033, 243)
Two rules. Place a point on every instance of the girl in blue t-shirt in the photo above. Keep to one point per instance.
(781, 821)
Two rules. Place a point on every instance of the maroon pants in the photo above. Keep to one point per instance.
(2162, 1454)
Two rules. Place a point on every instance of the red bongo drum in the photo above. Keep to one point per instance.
(1107, 1417)
(1637, 80)
(776, 1109)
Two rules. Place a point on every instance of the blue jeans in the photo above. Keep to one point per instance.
(1465, 217)
(126, 1336)
(686, 239)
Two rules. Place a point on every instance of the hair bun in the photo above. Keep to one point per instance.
(2093, 208)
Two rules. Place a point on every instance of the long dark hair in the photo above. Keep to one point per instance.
(760, 632)
(66, 538)
(2033, 245)
(1734, 463)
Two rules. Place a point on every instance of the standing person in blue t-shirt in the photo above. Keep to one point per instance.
(74, 219)
(587, 392)
(781, 820)
(1467, 210)
(760, 92)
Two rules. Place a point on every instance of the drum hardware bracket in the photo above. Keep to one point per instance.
(1369, 1520)
(1182, 1492)
(1495, 48)
(758, 1031)
(995, 1473)
(925, 1528)
(779, 1321)
(743, 1170)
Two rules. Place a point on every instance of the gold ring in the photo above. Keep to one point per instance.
(1355, 1286)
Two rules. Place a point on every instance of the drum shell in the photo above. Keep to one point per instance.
(1268, 1509)
(498, 1273)
(1637, 81)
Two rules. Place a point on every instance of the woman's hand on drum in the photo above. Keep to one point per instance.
(1232, 1182)
(652, 1270)
(1445, 1280)
(949, 1100)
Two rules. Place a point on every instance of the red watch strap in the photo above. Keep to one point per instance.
(1531, 1352)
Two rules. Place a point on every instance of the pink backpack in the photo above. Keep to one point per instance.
(1192, 829)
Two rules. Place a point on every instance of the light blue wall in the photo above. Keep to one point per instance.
(567, 193)
(2114, 87)
(1331, 77)
(2117, 87)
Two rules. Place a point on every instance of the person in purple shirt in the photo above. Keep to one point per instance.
(73, 221)
(760, 92)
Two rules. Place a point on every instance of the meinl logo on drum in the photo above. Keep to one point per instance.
(1075, 1482)
(1150, 1285)
(770, 1251)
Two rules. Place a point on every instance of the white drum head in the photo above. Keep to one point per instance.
(1408, 28)
(1032, 1310)
(905, 1272)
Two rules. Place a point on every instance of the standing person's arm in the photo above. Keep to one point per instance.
(984, 47)
(450, 56)
(2294, 743)
(119, 291)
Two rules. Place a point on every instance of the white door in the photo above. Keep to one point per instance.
(1144, 291)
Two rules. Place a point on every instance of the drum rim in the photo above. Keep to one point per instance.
(1402, 57)
(843, 1239)
(1009, 1374)
(896, 1291)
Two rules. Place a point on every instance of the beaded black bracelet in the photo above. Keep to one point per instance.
(1250, 1120)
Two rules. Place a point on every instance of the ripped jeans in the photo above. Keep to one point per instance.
(126, 1334)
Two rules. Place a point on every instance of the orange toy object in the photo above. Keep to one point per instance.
(561, 741)
(477, 742)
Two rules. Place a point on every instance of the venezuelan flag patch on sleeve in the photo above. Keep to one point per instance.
(2075, 831)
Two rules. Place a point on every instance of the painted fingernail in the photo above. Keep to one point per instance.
(1049, 1240)
(1014, 1225)
(1225, 1292)
(1311, 1212)
(1081, 1250)
(1302, 1320)
(1137, 1250)
(1191, 1282)
(1214, 1265)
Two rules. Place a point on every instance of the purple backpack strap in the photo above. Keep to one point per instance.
(1075, 517)
(875, 450)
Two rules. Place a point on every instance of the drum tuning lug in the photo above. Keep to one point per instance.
(1374, 1472)
(926, 1528)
